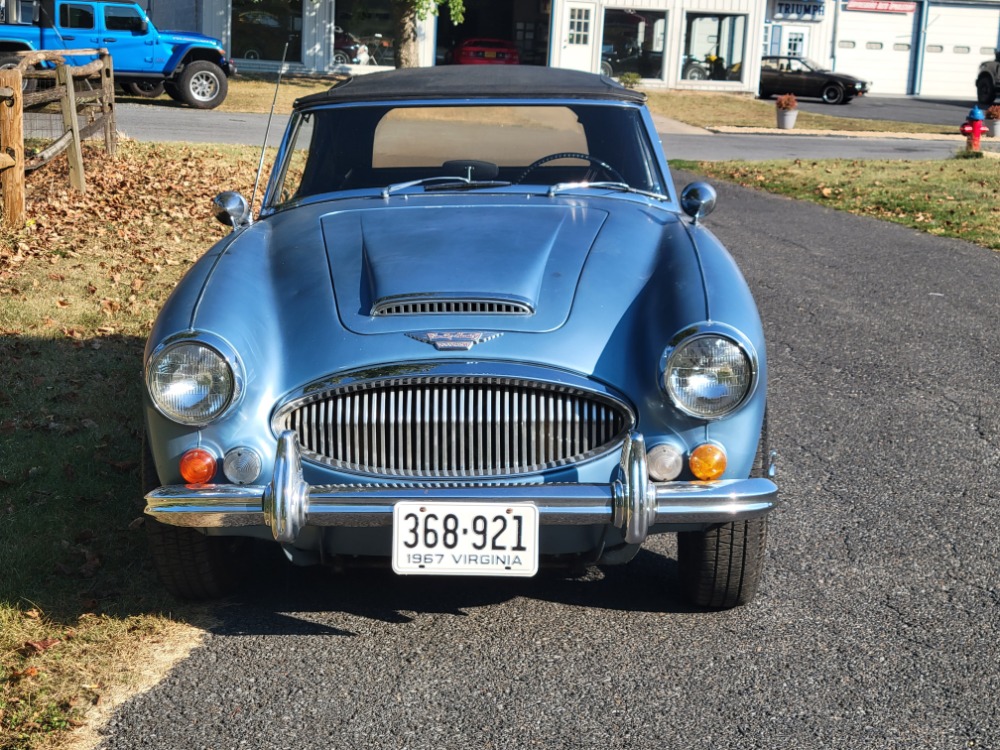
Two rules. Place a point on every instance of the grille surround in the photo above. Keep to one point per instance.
(454, 426)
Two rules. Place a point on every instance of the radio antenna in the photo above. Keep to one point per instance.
(267, 130)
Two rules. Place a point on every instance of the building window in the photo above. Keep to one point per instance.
(579, 26)
(368, 23)
(260, 31)
(935, 48)
(873, 45)
(961, 50)
(714, 47)
(633, 43)
(901, 47)
(986, 51)
(796, 43)
(846, 44)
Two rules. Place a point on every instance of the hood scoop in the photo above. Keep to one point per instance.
(513, 267)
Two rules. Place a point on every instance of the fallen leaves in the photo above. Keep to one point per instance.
(36, 647)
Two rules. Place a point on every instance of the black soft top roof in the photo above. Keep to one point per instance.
(474, 82)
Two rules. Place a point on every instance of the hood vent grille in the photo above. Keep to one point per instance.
(450, 307)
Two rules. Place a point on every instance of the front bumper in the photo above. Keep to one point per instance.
(629, 502)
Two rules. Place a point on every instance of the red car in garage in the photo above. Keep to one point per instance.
(485, 52)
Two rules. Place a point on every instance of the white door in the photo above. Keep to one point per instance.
(579, 37)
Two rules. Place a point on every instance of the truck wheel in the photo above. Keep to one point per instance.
(190, 565)
(202, 85)
(986, 90)
(145, 89)
(27, 84)
(721, 566)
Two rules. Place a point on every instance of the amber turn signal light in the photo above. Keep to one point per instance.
(197, 466)
(708, 462)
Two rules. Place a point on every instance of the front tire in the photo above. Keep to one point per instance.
(720, 567)
(202, 85)
(986, 90)
(833, 93)
(190, 565)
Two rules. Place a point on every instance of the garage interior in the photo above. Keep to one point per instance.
(524, 22)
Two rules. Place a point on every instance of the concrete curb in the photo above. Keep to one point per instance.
(729, 129)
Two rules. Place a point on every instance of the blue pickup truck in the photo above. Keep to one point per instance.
(191, 68)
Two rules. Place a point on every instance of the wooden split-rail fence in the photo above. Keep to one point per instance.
(27, 87)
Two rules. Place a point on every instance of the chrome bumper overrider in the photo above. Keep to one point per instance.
(630, 502)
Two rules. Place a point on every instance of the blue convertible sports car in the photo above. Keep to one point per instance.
(473, 331)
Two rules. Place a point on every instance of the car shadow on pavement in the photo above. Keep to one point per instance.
(278, 598)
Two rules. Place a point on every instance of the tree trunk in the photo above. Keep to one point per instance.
(404, 17)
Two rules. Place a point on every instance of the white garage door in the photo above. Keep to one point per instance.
(956, 40)
(876, 47)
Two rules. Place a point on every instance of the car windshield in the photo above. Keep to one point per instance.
(372, 147)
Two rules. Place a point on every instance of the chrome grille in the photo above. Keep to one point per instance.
(452, 307)
(457, 428)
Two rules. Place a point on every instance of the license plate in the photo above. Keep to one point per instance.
(465, 539)
(490, 53)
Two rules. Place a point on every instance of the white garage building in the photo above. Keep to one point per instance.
(926, 47)
(902, 46)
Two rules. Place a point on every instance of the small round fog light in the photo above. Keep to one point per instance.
(708, 462)
(241, 465)
(665, 463)
(197, 466)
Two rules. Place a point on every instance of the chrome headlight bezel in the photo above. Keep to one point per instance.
(213, 345)
(702, 331)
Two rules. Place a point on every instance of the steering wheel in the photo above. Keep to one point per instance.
(612, 172)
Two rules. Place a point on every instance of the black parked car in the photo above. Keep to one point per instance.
(802, 77)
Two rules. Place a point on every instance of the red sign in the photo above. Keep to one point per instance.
(882, 6)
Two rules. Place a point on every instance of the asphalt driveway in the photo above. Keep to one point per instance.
(898, 109)
(877, 625)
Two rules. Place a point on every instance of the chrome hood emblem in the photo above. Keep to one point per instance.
(447, 341)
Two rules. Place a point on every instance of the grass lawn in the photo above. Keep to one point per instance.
(957, 198)
(82, 617)
(708, 110)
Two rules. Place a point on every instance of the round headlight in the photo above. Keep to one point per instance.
(190, 383)
(708, 376)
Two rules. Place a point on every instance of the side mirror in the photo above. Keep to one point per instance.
(232, 209)
(144, 27)
(698, 200)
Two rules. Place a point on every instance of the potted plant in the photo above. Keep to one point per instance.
(787, 108)
(992, 121)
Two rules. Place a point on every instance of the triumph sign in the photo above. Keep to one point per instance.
(792, 11)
